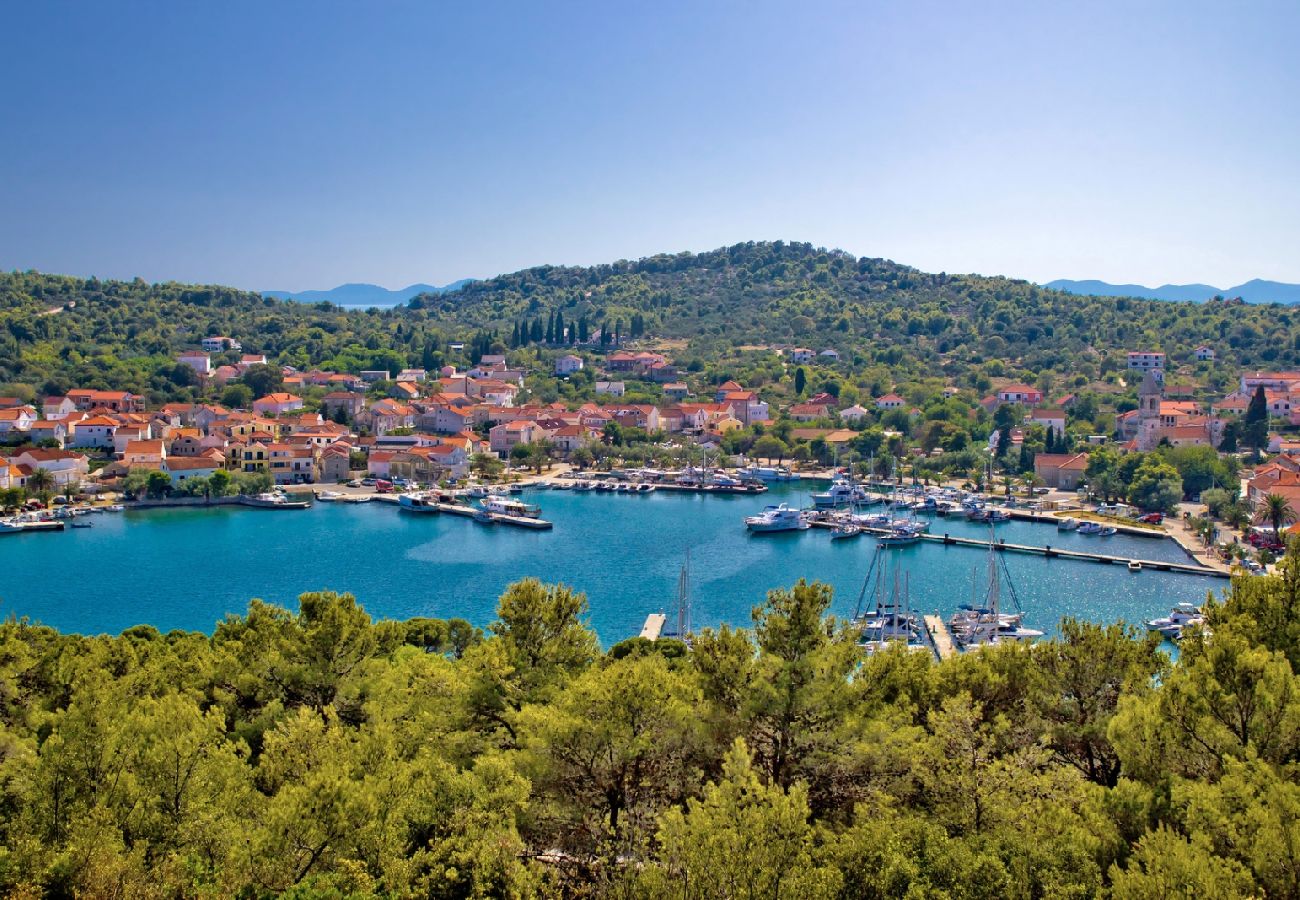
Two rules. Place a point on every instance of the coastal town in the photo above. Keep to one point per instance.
(267, 425)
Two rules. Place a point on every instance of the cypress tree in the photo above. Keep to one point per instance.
(559, 327)
(550, 328)
(583, 335)
(537, 330)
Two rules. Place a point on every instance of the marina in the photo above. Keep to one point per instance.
(624, 552)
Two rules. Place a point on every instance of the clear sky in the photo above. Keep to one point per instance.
(284, 145)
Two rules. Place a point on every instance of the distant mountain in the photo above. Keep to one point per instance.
(1254, 291)
(365, 295)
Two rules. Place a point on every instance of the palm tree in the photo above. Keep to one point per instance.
(1276, 510)
(41, 483)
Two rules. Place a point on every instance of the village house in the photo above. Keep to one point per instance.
(1147, 361)
(57, 408)
(746, 407)
(611, 388)
(404, 391)
(389, 415)
(113, 401)
(187, 468)
(807, 412)
(146, 454)
(1020, 393)
(248, 360)
(64, 466)
(1050, 419)
(416, 375)
(336, 462)
(218, 343)
(196, 360)
(291, 463)
(890, 401)
(676, 390)
(1061, 471)
(349, 403)
(1204, 353)
(568, 364)
(126, 433)
(504, 437)
(854, 414)
(49, 430)
(829, 355)
(277, 404)
(372, 376)
(94, 432)
(17, 419)
(1285, 382)
(801, 355)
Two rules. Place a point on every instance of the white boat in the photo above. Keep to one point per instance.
(1180, 617)
(848, 530)
(417, 502)
(329, 496)
(645, 488)
(273, 500)
(476, 491)
(983, 623)
(1067, 525)
(505, 506)
(1134, 565)
(889, 619)
(1089, 528)
(1108, 531)
(841, 493)
(777, 518)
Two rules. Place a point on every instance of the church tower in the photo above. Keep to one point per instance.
(1149, 396)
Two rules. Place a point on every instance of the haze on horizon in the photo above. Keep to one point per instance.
(302, 145)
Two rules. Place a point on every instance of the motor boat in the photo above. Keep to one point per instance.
(1067, 525)
(496, 504)
(777, 518)
(1180, 617)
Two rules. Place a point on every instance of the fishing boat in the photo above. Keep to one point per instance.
(1089, 528)
(505, 506)
(273, 500)
(1182, 616)
(777, 518)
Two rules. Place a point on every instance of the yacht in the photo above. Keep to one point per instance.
(1180, 617)
(983, 623)
(769, 473)
(1089, 528)
(505, 506)
(328, 496)
(777, 518)
(889, 619)
(841, 493)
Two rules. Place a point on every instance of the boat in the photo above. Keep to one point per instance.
(899, 537)
(681, 629)
(777, 518)
(1089, 528)
(768, 473)
(645, 488)
(417, 502)
(842, 493)
(998, 515)
(82, 524)
(1067, 525)
(476, 491)
(983, 623)
(483, 517)
(1180, 617)
(505, 506)
(328, 496)
(516, 489)
(888, 620)
(1108, 531)
(356, 498)
(273, 500)
(1134, 565)
(847, 530)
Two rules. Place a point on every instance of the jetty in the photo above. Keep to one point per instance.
(940, 640)
(654, 626)
(1050, 552)
(32, 526)
(485, 517)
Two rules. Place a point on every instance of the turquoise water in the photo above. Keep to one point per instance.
(186, 568)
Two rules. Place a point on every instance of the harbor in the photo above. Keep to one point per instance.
(624, 551)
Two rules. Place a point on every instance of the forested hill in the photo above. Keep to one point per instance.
(58, 331)
(796, 293)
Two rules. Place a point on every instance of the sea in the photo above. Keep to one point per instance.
(189, 568)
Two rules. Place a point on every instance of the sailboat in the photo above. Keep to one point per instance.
(681, 629)
(984, 623)
(888, 617)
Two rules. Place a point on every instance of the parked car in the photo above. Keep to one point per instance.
(1154, 518)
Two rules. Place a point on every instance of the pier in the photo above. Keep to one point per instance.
(654, 626)
(1050, 552)
(485, 517)
(940, 640)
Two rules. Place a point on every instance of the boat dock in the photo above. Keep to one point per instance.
(487, 518)
(1191, 568)
(940, 640)
(654, 626)
(42, 525)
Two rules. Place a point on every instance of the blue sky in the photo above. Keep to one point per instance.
(282, 145)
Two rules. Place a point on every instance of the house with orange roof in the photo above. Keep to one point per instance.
(17, 419)
(1020, 393)
(504, 437)
(387, 415)
(197, 360)
(807, 412)
(349, 402)
(112, 401)
(57, 407)
(185, 468)
(126, 433)
(890, 401)
(94, 431)
(144, 454)
(277, 404)
(1050, 419)
(49, 430)
(65, 466)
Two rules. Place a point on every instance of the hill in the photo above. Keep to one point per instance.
(1254, 291)
(889, 322)
(363, 295)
